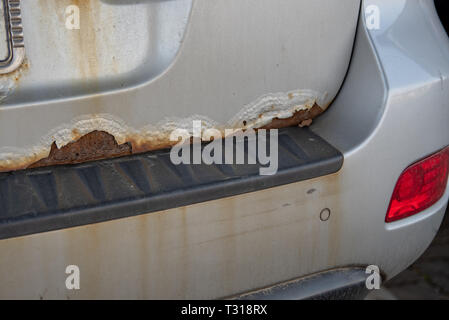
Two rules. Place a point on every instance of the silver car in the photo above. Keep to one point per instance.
(351, 98)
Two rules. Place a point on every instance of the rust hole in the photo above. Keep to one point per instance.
(95, 145)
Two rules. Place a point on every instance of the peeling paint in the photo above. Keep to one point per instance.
(278, 105)
(74, 142)
(95, 145)
(301, 118)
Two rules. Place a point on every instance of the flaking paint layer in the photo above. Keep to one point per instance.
(66, 141)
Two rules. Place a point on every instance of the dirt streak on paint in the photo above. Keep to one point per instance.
(10, 82)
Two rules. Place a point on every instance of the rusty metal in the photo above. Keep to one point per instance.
(93, 146)
(301, 118)
(100, 144)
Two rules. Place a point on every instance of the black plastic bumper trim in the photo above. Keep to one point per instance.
(45, 199)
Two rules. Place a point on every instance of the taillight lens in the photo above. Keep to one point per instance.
(420, 186)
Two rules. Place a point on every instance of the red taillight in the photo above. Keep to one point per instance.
(419, 186)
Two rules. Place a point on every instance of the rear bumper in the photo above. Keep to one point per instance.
(343, 283)
(392, 111)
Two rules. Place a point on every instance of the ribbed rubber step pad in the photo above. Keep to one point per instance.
(44, 199)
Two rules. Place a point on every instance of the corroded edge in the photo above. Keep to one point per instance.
(95, 137)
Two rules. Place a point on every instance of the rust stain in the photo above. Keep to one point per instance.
(76, 134)
(301, 118)
(140, 146)
(13, 79)
(98, 145)
(21, 164)
(92, 146)
(17, 74)
(84, 41)
(336, 228)
(87, 39)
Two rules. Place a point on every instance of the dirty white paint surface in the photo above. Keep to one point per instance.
(147, 61)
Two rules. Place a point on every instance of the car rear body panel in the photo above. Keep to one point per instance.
(180, 60)
(392, 110)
